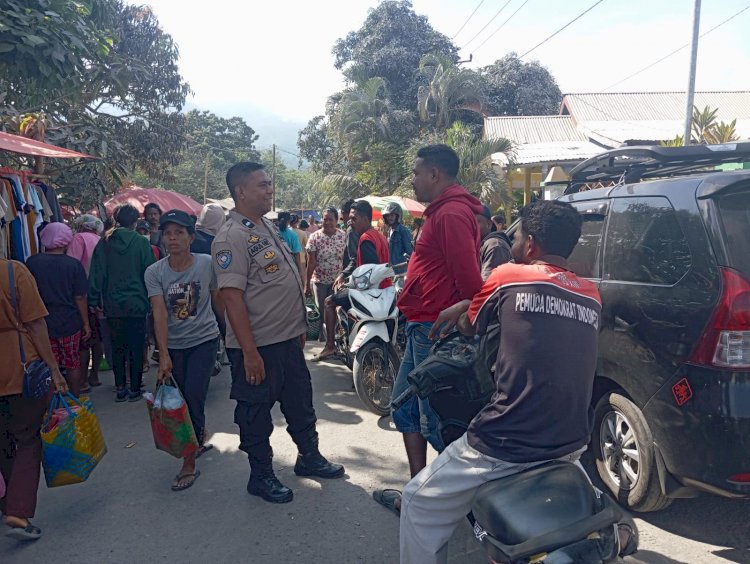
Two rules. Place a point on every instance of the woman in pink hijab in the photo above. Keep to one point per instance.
(89, 229)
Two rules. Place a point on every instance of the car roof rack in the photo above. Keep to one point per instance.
(627, 165)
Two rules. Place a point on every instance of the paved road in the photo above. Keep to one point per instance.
(126, 512)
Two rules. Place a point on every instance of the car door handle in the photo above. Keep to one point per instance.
(622, 326)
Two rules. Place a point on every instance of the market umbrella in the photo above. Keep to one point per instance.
(411, 208)
(26, 146)
(165, 199)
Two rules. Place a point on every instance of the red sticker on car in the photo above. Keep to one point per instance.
(682, 391)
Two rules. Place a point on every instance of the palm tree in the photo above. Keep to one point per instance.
(451, 89)
(477, 173)
(362, 116)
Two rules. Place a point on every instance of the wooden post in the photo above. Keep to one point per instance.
(526, 186)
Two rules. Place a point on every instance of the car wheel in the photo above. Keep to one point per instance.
(624, 452)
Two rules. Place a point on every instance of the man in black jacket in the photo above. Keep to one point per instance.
(495, 248)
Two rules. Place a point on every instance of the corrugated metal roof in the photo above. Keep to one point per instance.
(653, 106)
(551, 152)
(533, 129)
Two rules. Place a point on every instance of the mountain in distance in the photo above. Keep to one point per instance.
(269, 127)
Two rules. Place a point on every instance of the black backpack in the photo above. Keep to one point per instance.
(457, 378)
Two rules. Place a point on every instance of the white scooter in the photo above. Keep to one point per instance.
(366, 335)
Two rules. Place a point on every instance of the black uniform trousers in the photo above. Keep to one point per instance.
(288, 382)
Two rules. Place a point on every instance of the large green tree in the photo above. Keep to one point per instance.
(120, 102)
(390, 45)
(516, 88)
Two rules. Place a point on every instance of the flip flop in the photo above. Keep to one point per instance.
(175, 485)
(203, 450)
(30, 532)
(320, 357)
(631, 545)
(387, 498)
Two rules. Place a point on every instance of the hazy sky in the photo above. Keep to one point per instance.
(272, 59)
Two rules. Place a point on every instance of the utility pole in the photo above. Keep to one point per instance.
(273, 177)
(691, 79)
(205, 178)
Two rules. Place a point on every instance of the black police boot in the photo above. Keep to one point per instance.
(264, 483)
(315, 464)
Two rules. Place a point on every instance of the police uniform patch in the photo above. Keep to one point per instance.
(253, 239)
(224, 259)
(261, 245)
(269, 255)
(271, 268)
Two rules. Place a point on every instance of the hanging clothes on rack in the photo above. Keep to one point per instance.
(29, 206)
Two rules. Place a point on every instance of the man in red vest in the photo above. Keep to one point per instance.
(371, 249)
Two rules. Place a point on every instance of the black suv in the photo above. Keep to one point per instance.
(668, 241)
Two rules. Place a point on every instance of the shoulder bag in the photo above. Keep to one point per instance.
(37, 377)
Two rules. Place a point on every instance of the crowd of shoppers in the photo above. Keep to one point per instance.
(248, 276)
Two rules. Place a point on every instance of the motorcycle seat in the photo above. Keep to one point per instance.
(540, 509)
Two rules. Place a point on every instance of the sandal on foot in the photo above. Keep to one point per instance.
(387, 498)
(203, 450)
(176, 487)
(631, 545)
(320, 356)
(30, 532)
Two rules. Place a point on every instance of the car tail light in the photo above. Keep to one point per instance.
(726, 339)
(743, 478)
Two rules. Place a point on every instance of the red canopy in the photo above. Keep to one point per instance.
(165, 199)
(26, 146)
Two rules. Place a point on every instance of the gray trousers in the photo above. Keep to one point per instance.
(436, 500)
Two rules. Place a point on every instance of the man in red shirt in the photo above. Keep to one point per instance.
(371, 249)
(443, 270)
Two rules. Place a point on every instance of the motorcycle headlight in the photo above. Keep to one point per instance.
(362, 282)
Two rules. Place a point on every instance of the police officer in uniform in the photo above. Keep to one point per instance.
(264, 299)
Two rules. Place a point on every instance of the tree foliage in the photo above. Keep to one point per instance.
(450, 91)
(116, 93)
(405, 90)
(390, 45)
(705, 129)
(213, 144)
(515, 88)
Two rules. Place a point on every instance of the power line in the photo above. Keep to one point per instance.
(487, 24)
(665, 57)
(460, 29)
(579, 16)
(501, 26)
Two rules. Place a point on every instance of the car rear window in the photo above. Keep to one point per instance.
(735, 218)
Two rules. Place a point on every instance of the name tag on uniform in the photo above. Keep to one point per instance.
(258, 247)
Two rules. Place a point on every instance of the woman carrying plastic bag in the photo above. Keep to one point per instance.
(170, 421)
(182, 290)
(21, 417)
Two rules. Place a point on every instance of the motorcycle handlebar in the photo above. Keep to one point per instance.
(410, 392)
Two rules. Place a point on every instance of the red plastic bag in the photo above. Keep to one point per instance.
(170, 421)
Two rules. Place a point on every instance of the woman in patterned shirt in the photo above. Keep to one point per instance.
(325, 257)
